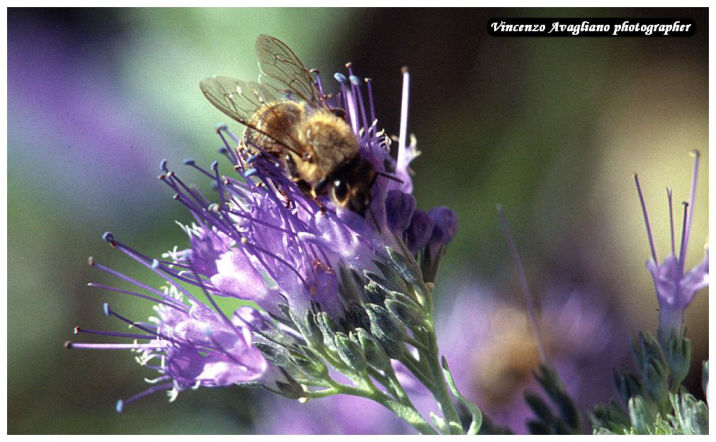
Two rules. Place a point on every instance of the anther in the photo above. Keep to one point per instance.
(156, 264)
(349, 65)
(68, 345)
(90, 261)
(340, 78)
(119, 406)
(220, 127)
(189, 162)
(105, 308)
(404, 70)
(109, 238)
(215, 166)
(163, 165)
(244, 240)
(76, 330)
(355, 80)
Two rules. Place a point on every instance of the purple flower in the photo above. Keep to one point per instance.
(264, 241)
(341, 414)
(187, 343)
(494, 358)
(675, 287)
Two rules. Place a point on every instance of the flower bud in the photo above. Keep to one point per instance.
(399, 208)
(406, 313)
(350, 352)
(373, 351)
(386, 330)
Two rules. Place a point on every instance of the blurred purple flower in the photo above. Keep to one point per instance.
(492, 351)
(675, 288)
(66, 108)
(341, 414)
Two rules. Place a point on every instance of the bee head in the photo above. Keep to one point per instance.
(355, 195)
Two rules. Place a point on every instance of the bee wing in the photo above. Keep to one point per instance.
(237, 99)
(282, 71)
(240, 100)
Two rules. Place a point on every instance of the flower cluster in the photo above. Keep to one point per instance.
(651, 399)
(675, 287)
(322, 292)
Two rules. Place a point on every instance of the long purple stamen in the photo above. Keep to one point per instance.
(684, 239)
(105, 346)
(689, 220)
(526, 293)
(121, 403)
(671, 220)
(646, 219)
(131, 280)
(373, 120)
(402, 136)
(79, 330)
(138, 295)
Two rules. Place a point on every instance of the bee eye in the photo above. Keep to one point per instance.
(340, 190)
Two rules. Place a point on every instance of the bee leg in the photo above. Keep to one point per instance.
(304, 187)
(288, 201)
(321, 207)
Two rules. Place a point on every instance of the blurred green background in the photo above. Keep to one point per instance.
(551, 128)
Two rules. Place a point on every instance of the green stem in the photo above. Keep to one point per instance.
(441, 394)
(405, 411)
(415, 368)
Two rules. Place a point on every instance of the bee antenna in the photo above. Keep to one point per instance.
(389, 176)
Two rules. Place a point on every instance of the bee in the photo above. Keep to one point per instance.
(288, 118)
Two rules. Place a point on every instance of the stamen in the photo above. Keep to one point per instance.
(148, 263)
(190, 162)
(109, 313)
(130, 280)
(402, 155)
(525, 288)
(688, 222)
(120, 403)
(138, 295)
(103, 346)
(646, 219)
(361, 106)
(671, 220)
(319, 84)
(684, 238)
(349, 102)
(78, 330)
(368, 82)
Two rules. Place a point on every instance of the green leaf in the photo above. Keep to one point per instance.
(475, 412)
(642, 415)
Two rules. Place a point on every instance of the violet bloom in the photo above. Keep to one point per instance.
(265, 243)
(675, 287)
(341, 414)
(493, 352)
